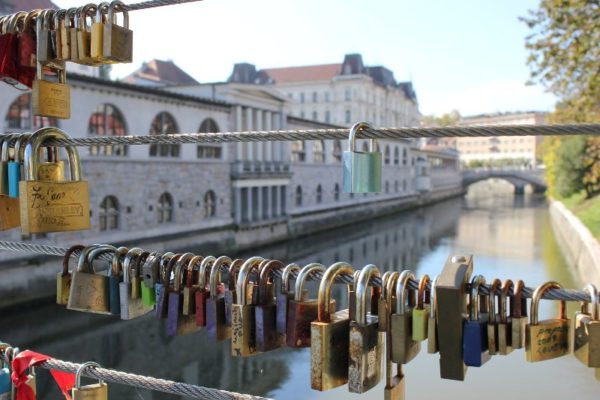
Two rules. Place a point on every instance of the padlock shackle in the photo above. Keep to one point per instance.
(384, 280)
(215, 274)
(303, 276)
(286, 275)
(131, 254)
(101, 9)
(244, 276)
(232, 273)
(352, 137)
(504, 294)
(80, 371)
(70, 18)
(167, 271)
(538, 293)
(36, 140)
(12, 25)
(206, 263)
(476, 282)
(402, 289)
(67, 257)
(162, 266)
(324, 297)
(491, 300)
(20, 145)
(6, 143)
(389, 288)
(266, 272)
(183, 260)
(593, 292)
(86, 259)
(112, 18)
(116, 265)
(89, 10)
(433, 298)
(518, 304)
(58, 15)
(367, 273)
(421, 292)
(151, 266)
(189, 270)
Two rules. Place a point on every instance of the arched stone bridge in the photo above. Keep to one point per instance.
(518, 177)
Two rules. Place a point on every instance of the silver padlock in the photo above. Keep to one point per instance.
(362, 170)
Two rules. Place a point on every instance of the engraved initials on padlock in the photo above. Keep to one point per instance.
(362, 170)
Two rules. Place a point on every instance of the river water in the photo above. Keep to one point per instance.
(510, 237)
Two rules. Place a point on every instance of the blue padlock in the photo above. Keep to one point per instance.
(15, 166)
(5, 384)
(4, 160)
(362, 169)
(115, 276)
(475, 339)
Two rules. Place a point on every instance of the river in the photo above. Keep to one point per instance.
(510, 237)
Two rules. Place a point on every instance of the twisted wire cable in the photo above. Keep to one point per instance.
(145, 382)
(144, 5)
(527, 292)
(338, 133)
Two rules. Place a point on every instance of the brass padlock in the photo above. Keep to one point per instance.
(366, 342)
(432, 332)
(191, 288)
(117, 40)
(404, 348)
(9, 207)
(504, 322)
(352, 293)
(518, 316)
(329, 336)
(89, 291)
(493, 318)
(284, 296)
(7, 142)
(48, 206)
(585, 333)
(84, 35)
(216, 323)
(362, 170)
(57, 37)
(97, 391)
(73, 29)
(395, 386)
(546, 339)
(51, 99)
(97, 33)
(420, 313)
(63, 279)
(243, 339)
(382, 304)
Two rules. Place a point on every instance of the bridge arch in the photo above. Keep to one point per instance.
(519, 178)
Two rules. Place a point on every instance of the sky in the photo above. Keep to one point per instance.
(465, 55)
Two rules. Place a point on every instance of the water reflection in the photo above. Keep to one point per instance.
(510, 237)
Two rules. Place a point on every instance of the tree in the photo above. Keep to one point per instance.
(569, 165)
(446, 119)
(565, 55)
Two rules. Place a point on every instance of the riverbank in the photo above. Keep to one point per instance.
(578, 245)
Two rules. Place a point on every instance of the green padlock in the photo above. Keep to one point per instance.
(150, 276)
(420, 314)
(362, 170)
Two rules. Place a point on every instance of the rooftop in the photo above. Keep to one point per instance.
(160, 73)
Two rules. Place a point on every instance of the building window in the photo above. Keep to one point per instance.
(107, 120)
(164, 124)
(209, 150)
(165, 208)
(327, 97)
(327, 116)
(109, 214)
(336, 192)
(315, 116)
(404, 185)
(396, 156)
(348, 116)
(210, 204)
(387, 155)
(404, 156)
(298, 152)
(396, 187)
(348, 95)
(298, 196)
(319, 194)
(387, 187)
(20, 117)
(315, 97)
(318, 151)
(337, 150)
(302, 97)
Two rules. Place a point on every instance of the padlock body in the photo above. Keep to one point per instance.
(432, 338)
(4, 178)
(475, 343)
(114, 294)
(243, 330)
(118, 43)
(63, 285)
(282, 301)
(230, 299)
(54, 206)
(266, 335)
(585, 334)
(51, 99)
(216, 324)
(492, 337)
(404, 348)
(96, 41)
(14, 177)
(97, 391)
(5, 382)
(131, 308)
(51, 171)
(200, 299)
(148, 296)
(89, 293)
(329, 351)
(547, 340)
(382, 314)
(365, 355)
(505, 337)
(420, 320)
(10, 215)
(361, 172)
(300, 316)
(162, 301)
(175, 300)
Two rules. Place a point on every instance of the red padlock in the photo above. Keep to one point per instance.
(27, 41)
(8, 55)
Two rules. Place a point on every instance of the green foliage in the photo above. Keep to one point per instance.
(499, 163)
(565, 55)
(587, 210)
(569, 165)
(446, 119)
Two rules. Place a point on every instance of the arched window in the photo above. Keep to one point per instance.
(209, 150)
(210, 204)
(319, 194)
(164, 124)
(107, 120)
(298, 196)
(298, 152)
(109, 214)
(387, 154)
(318, 151)
(165, 208)
(387, 187)
(404, 156)
(20, 117)
(336, 192)
(396, 156)
(337, 150)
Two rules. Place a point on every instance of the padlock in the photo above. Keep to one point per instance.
(475, 341)
(330, 335)
(15, 167)
(51, 99)
(548, 339)
(149, 279)
(5, 380)
(395, 386)
(89, 291)
(192, 286)
(97, 391)
(216, 323)
(63, 278)
(73, 29)
(7, 141)
(164, 286)
(584, 340)
(97, 32)
(362, 170)
(420, 314)
(202, 293)
(518, 316)
(352, 293)
(118, 40)
(404, 348)
(366, 342)
(10, 71)
(493, 318)
(177, 323)
(51, 170)
(45, 51)
(504, 323)
(9, 207)
(65, 33)
(48, 206)
(27, 47)
(115, 277)
(302, 311)
(84, 36)
(283, 300)
(243, 339)
(265, 313)
(56, 35)
(432, 332)
(131, 304)
(230, 291)
(382, 304)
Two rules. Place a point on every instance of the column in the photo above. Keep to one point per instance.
(268, 146)
(276, 201)
(282, 203)
(259, 208)
(249, 212)
(237, 199)
(259, 126)
(238, 127)
(249, 127)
